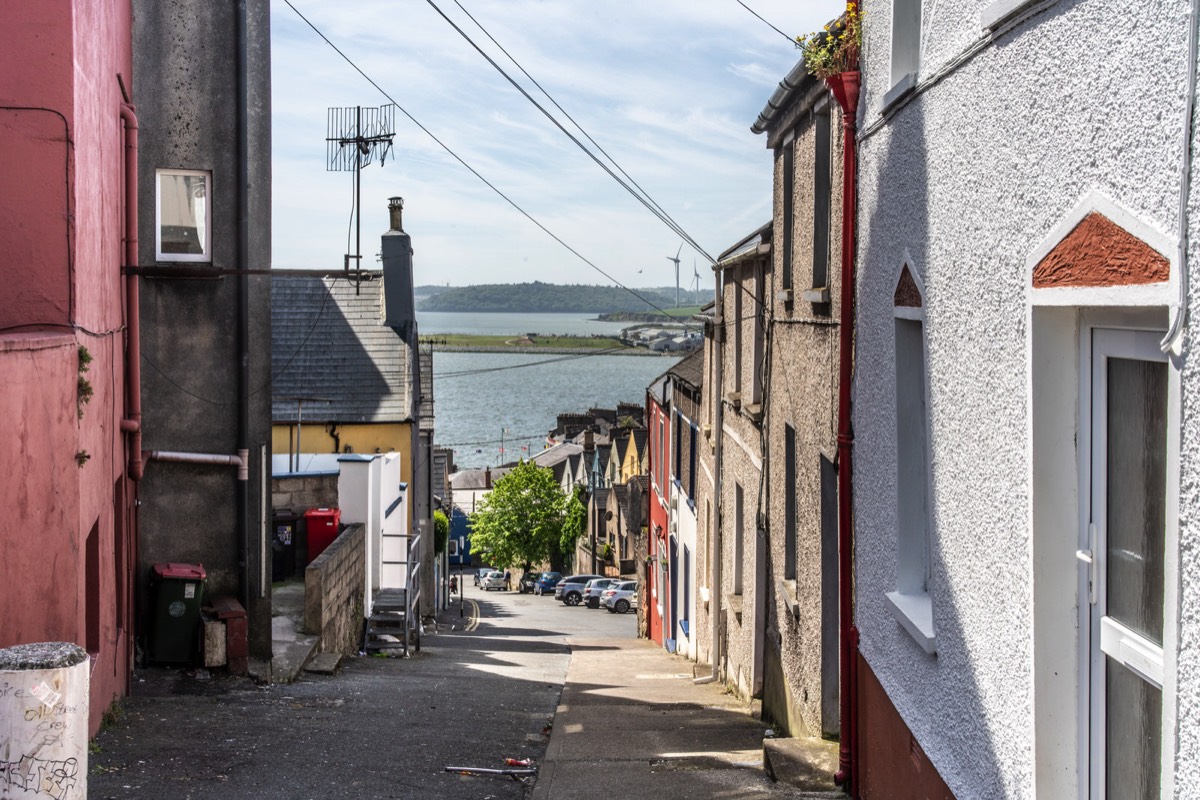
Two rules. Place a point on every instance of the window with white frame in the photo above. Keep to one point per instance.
(453, 547)
(911, 603)
(183, 215)
(906, 40)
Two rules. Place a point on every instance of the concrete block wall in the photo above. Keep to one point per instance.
(303, 492)
(333, 592)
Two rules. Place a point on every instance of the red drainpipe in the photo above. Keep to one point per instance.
(845, 90)
(132, 423)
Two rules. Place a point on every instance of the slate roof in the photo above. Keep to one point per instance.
(690, 370)
(475, 478)
(331, 344)
(556, 454)
(639, 438)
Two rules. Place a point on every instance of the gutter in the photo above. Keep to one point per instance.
(780, 97)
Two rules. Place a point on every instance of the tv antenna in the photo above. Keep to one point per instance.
(355, 137)
(676, 260)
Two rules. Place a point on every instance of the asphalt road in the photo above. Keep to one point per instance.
(483, 689)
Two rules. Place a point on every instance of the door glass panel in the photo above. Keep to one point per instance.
(1136, 467)
(1133, 722)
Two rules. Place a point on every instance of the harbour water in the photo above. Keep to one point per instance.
(492, 408)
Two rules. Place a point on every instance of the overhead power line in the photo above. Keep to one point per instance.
(641, 195)
(791, 40)
(464, 163)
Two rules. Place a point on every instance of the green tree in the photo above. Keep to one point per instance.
(441, 532)
(520, 521)
(574, 522)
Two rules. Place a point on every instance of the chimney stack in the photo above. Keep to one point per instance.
(487, 478)
(396, 213)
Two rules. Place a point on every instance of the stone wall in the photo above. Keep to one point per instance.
(333, 593)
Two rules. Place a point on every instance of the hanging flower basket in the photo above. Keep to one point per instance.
(834, 50)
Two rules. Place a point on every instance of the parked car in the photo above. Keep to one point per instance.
(494, 579)
(570, 588)
(593, 588)
(527, 582)
(620, 597)
(479, 573)
(546, 582)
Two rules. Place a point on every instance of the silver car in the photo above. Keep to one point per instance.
(570, 588)
(620, 597)
(593, 588)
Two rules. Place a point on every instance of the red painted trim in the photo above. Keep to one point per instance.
(845, 89)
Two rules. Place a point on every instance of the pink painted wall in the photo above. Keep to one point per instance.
(63, 193)
(659, 519)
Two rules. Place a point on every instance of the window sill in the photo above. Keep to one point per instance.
(902, 89)
(997, 13)
(734, 601)
(914, 612)
(787, 588)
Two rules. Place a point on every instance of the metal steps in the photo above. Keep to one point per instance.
(387, 623)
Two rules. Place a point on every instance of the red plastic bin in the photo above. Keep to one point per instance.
(322, 526)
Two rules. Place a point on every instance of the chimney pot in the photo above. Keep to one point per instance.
(396, 213)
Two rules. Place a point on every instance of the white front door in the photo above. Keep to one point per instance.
(1124, 550)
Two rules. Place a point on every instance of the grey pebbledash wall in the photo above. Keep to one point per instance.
(185, 89)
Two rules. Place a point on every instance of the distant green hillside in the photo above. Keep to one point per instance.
(538, 297)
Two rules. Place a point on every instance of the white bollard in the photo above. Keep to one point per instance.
(44, 721)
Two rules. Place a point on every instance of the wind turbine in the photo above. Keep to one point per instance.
(695, 278)
(676, 260)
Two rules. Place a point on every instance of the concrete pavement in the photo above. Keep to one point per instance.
(632, 722)
(599, 713)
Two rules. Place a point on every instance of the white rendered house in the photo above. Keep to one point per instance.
(1027, 445)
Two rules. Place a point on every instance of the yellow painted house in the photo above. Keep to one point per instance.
(341, 378)
(632, 447)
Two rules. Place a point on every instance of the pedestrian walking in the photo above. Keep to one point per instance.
(507, 581)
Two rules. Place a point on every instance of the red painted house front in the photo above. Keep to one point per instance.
(658, 596)
(67, 531)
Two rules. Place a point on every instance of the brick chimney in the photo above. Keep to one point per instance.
(487, 478)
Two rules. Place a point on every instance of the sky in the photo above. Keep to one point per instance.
(669, 88)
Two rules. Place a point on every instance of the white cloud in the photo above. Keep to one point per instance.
(669, 88)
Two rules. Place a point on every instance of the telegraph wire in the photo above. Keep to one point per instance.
(465, 165)
(791, 40)
(641, 195)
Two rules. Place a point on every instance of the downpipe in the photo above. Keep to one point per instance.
(132, 422)
(845, 88)
(714, 601)
(241, 460)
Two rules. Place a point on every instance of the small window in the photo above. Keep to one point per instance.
(453, 545)
(758, 344)
(789, 503)
(906, 39)
(789, 190)
(822, 191)
(183, 216)
(739, 547)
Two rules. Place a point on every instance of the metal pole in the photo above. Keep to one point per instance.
(357, 198)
